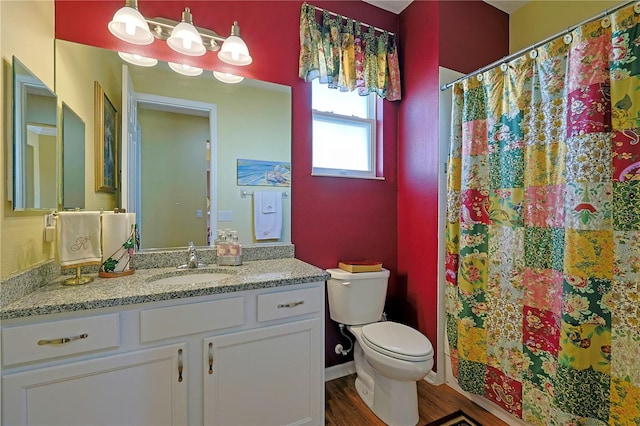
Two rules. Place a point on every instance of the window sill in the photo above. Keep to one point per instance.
(348, 177)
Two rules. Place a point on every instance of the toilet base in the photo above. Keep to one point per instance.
(394, 402)
(365, 394)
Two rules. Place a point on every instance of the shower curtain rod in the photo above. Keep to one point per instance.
(540, 43)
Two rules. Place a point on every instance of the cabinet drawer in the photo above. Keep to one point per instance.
(38, 342)
(174, 321)
(285, 304)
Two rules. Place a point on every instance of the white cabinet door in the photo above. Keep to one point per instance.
(136, 388)
(268, 376)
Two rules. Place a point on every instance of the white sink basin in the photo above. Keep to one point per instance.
(207, 277)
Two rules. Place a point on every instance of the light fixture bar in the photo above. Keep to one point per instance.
(161, 29)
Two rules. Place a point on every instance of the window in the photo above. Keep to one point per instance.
(344, 133)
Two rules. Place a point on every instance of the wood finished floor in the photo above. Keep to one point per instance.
(345, 408)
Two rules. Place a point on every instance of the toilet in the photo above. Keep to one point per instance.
(389, 357)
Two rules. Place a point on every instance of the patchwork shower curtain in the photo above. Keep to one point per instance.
(543, 229)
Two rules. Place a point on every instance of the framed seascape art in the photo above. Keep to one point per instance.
(106, 142)
(264, 173)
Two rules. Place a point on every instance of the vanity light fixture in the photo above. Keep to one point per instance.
(226, 77)
(129, 25)
(135, 59)
(185, 69)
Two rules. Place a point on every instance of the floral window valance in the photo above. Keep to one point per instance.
(345, 57)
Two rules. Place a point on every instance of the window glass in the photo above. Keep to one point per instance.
(345, 103)
(343, 133)
(344, 145)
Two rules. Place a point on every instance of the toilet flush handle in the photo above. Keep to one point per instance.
(347, 283)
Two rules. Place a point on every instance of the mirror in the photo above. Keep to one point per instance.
(73, 162)
(210, 125)
(35, 142)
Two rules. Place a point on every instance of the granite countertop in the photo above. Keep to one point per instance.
(141, 287)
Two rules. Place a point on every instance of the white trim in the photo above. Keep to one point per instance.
(444, 133)
(340, 370)
(43, 129)
(347, 176)
(432, 378)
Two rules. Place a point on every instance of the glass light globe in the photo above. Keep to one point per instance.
(185, 38)
(234, 51)
(129, 25)
(135, 59)
(226, 77)
(185, 69)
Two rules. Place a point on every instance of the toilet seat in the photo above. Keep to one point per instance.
(397, 340)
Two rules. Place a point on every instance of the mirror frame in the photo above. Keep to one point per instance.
(22, 82)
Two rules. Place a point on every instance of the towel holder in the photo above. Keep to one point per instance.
(245, 194)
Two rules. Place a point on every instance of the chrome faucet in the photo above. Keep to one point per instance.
(192, 256)
(192, 259)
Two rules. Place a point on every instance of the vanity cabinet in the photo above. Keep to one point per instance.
(136, 388)
(253, 357)
(267, 376)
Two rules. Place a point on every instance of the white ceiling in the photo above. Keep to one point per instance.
(508, 6)
(397, 6)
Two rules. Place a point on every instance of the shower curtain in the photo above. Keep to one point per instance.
(543, 229)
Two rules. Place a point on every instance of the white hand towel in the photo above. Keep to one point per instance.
(267, 226)
(78, 239)
(116, 231)
(269, 200)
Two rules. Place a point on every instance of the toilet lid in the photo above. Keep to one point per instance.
(398, 341)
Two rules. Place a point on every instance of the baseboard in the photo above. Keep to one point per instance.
(432, 378)
(339, 370)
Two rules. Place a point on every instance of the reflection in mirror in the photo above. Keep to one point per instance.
(187, 127)
(35, 146)
(73, 162)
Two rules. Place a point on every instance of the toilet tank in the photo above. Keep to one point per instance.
(357, 298)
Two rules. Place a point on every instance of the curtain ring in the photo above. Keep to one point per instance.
(533, 54)
(504, 67)
(606, 22)
(568, 38)
(479, 77)
(636, 7)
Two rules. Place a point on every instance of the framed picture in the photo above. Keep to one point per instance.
(264, 173)
(106, 142)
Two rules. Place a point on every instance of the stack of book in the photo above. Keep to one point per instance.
(360, 266)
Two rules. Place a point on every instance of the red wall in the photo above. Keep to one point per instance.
(461, 35)
(332, 218)
(475, 35)
(418, 166)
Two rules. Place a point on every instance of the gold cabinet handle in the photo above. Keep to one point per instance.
(180, 366)
(291, 305)
(63, 340)
(210, 358)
